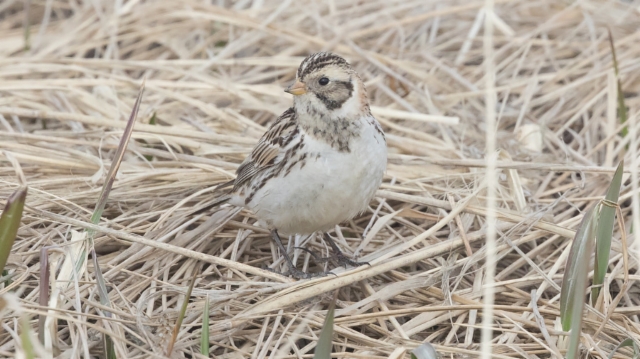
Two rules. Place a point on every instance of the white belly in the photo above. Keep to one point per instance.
(329, 189)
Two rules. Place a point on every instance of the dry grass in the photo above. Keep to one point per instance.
(214, 83)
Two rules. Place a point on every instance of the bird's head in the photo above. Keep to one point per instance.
(327, 84)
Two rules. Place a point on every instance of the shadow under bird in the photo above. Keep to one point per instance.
(321, 161)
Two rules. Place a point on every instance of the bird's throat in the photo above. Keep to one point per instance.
(336, 131)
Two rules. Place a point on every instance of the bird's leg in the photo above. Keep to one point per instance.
(315, 256)
(338, 256)
(293, 271)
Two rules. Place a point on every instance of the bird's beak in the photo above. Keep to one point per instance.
(297, 89)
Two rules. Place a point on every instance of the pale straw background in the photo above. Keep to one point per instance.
(441, 75)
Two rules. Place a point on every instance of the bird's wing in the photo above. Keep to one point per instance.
(267, 152)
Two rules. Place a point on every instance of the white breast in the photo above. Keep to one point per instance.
(331, 186)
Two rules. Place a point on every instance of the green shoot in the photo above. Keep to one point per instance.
(8, 281)
(325, 342)
(27, 26)
(97, 214)
(622, 109)
(627, 343)
(152, 121)
(25, 338)
(574, 282)
(44, 289)
(115, 164)
(10, 222)
(204, 336)
(604, 231)
(183, 310)
(575, 275)
(110, 349)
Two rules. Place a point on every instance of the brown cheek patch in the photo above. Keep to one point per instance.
(335, 96)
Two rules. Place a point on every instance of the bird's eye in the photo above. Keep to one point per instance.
(323, 81)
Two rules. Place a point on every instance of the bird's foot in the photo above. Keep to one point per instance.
(343, 260)
(298, 274)
(337, 257)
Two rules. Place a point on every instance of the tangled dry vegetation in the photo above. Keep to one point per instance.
(214, 79)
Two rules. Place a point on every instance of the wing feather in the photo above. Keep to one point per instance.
(266, 152)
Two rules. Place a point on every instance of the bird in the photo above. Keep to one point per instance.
(320, 163)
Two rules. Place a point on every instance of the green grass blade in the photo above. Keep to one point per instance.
(575, 274)
(576, 313)
(204, 336)
(102, 285)
(325, 342)
(110, 349)
(575, 278)
(152, 121)
(183, 311)
(97, 214)
(115, 164)
(626, 343)
(6, 282)
(25, 338)
(604, 231)
(10, 222)
(26, 25)
(44, 289)
(622, 108)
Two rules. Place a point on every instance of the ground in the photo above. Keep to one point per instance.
(441, 75)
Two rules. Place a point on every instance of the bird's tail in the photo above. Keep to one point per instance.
(216, 202)
(223, 197)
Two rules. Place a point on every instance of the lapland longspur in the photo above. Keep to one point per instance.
(321, 161)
